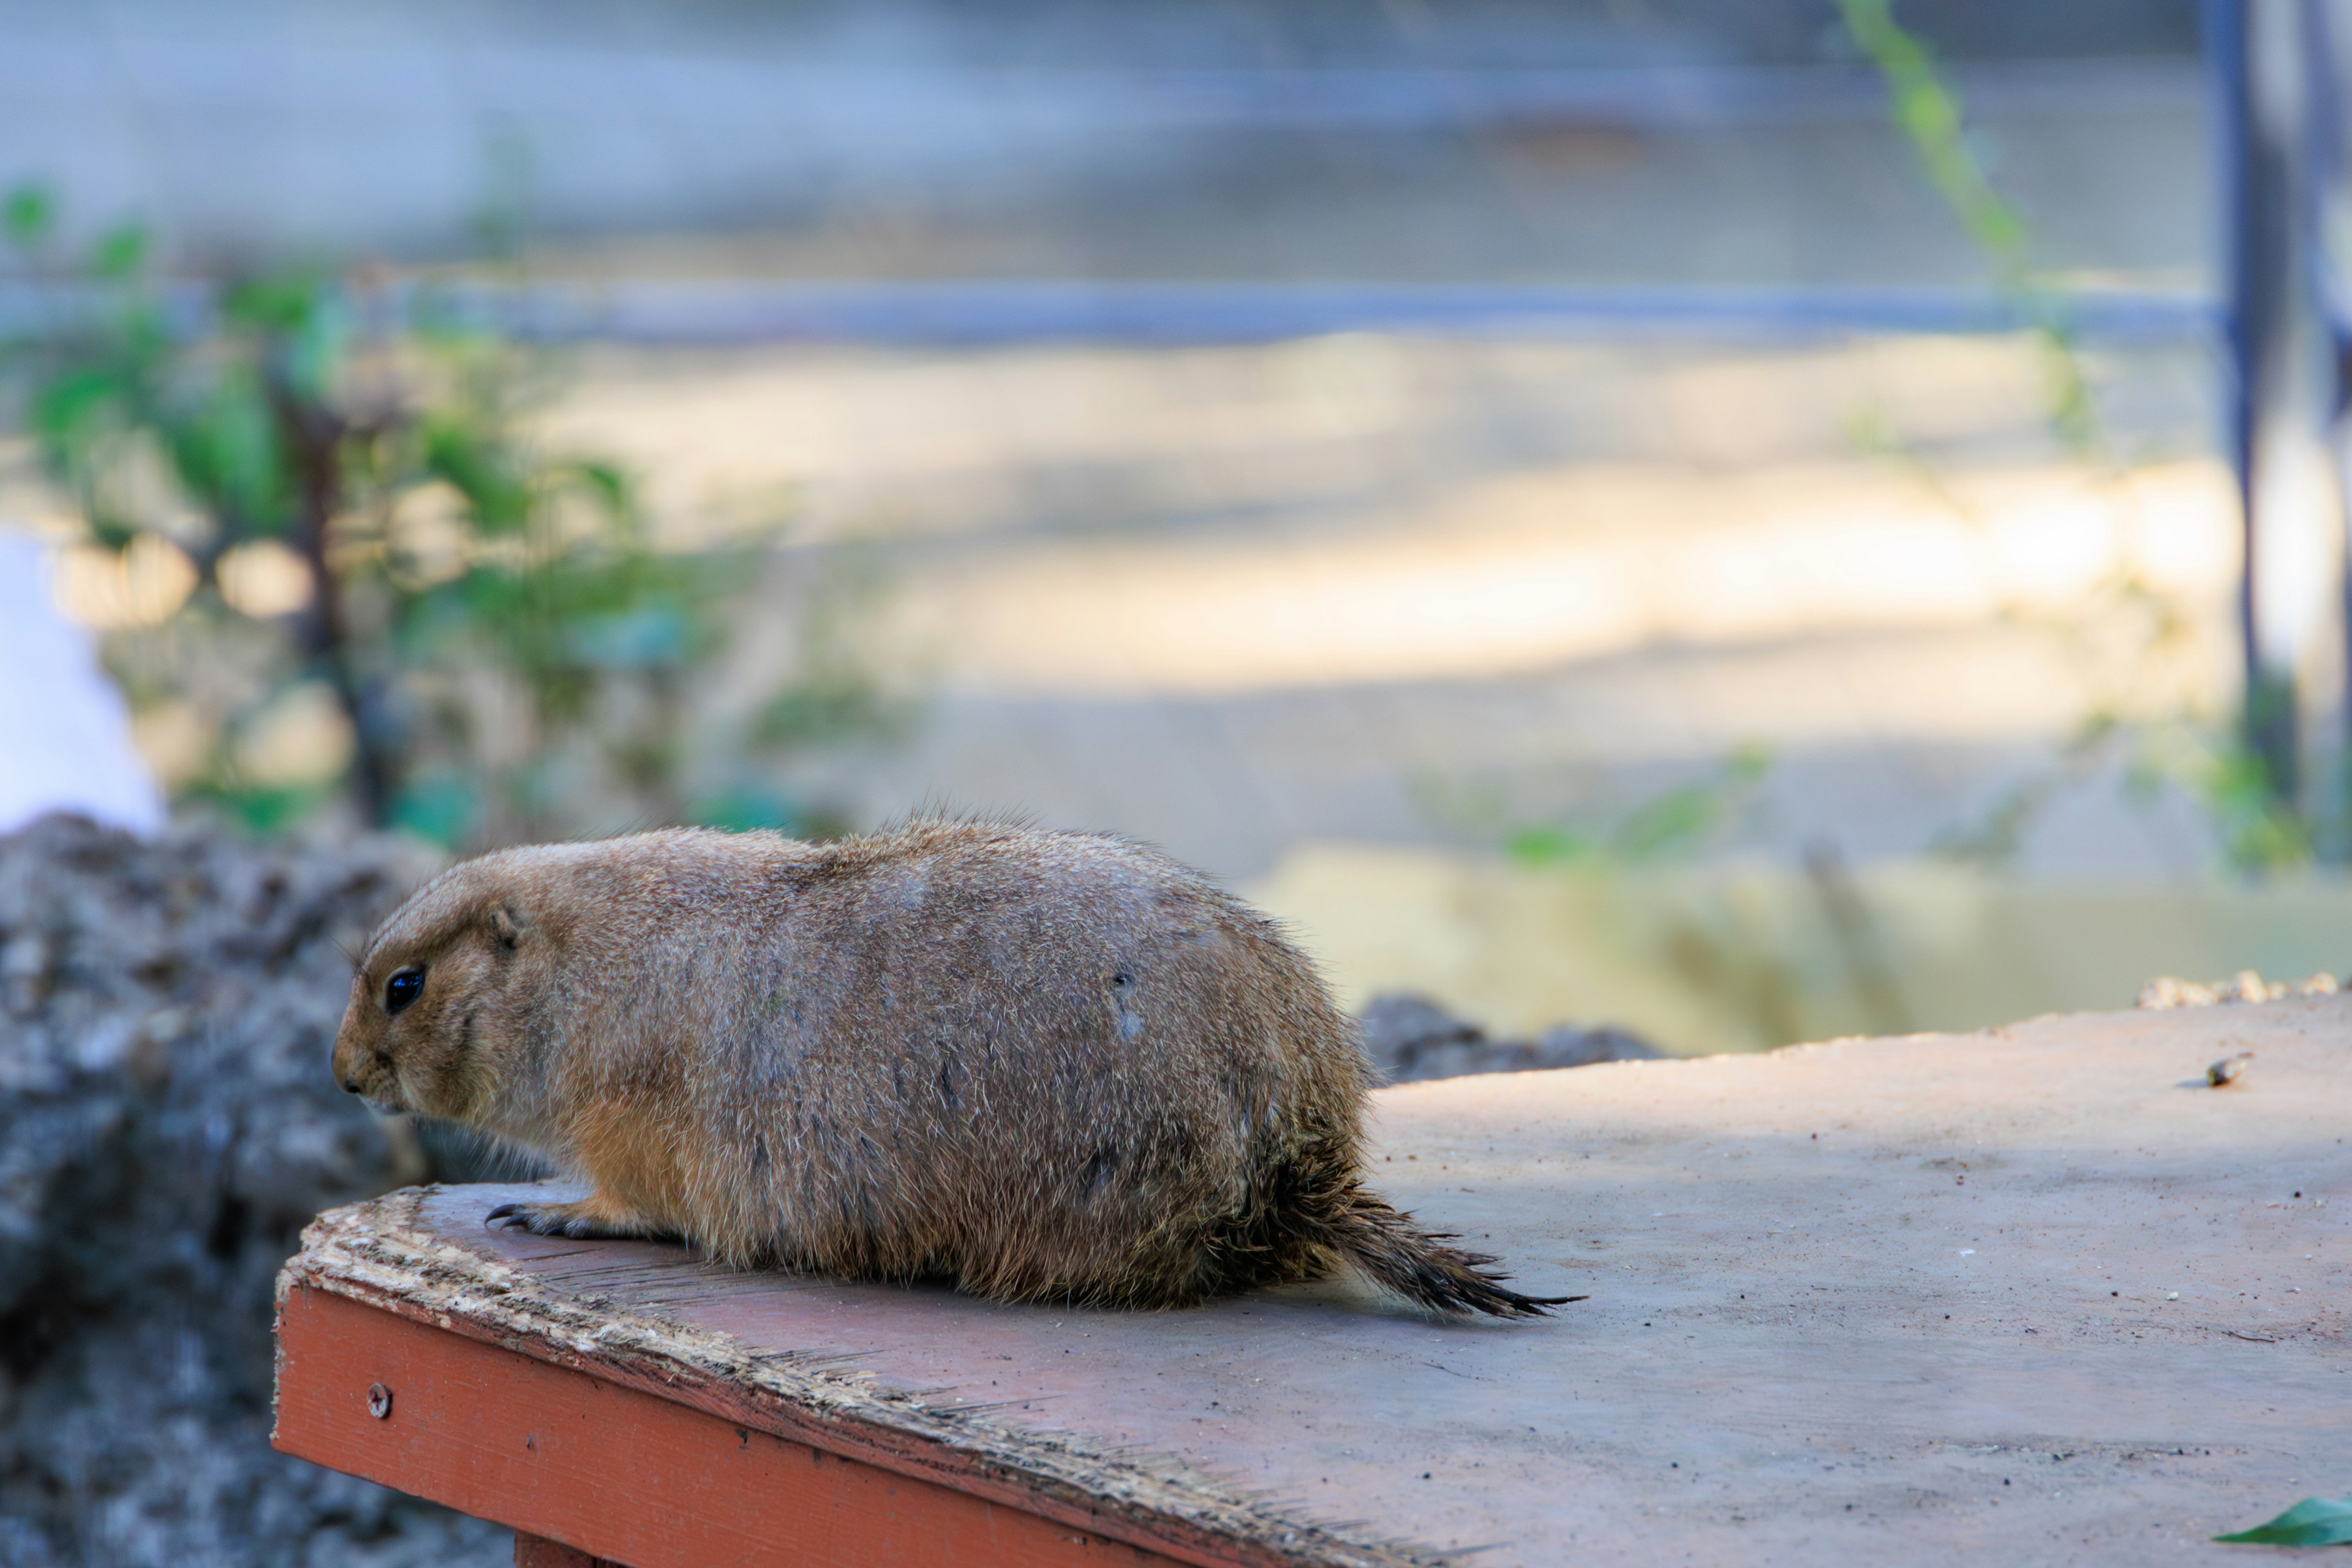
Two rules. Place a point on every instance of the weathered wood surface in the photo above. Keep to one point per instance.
(2033, 1296)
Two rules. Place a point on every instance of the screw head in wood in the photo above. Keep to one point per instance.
(379, 1401)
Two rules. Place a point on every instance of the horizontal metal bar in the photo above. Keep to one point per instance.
(776, 84)
(981, 312)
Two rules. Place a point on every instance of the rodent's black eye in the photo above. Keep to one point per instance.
(404, 987)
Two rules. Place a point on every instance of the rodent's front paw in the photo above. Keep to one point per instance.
(557, 1219)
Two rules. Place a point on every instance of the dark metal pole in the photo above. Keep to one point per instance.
(2226, 60)
(2328, 161)
(2257, 206)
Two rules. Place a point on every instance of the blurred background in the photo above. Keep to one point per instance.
(1718, 519)
(1738, 522)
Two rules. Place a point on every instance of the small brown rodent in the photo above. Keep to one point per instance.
(1040, 1065)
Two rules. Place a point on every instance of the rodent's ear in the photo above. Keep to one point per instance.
(508, 924)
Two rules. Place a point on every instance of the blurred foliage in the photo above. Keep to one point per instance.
(1715, 948)
(2133, 717)
(2260, 834)
(478, 638)
(1927, 109)
(1673, 821)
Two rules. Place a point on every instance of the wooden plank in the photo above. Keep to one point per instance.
(615, 1472)
(376, 1254)
(2035, 1296)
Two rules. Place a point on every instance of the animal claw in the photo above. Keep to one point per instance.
(525, 1216)
(576, 1220)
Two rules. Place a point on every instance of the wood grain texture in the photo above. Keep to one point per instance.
(616, 1472)
(387, 1254)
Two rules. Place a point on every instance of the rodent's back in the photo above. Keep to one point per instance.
(1044, 1063)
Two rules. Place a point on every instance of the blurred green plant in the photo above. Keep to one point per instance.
(1672, 822)
(1927, 109)
(2260, 835)
(485, 640)
(2165, 742)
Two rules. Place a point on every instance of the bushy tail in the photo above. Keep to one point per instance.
(1399, 1255)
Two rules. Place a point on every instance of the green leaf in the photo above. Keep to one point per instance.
(1679, 818)
(1548, 846)
(607, 483)
(481, 470)
(119, 252)
(2313, 1521)
(27, 215)
(227, 448)
(279, 302)
(63, 409)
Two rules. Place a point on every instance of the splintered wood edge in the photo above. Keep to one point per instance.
(382, 1254)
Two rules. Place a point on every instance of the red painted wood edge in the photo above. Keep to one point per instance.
(617, 1472)
(884, 1448)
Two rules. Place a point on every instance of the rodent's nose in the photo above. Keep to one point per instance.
(351, 1086)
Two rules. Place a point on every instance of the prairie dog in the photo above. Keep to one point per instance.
(1043, 1066)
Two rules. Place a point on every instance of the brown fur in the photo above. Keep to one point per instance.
(1040, 1065)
